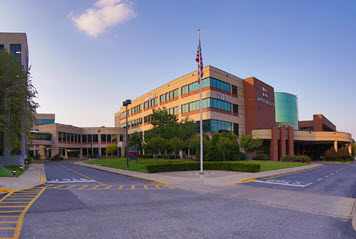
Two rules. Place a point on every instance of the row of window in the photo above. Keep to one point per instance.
(208, 82)
(44, 121)
(217, 126)
(150, 103)
(210, 103)
(42, 136)
(95, 151)
(174, 110)
(136, 109)
(169, 95)
(78, 138)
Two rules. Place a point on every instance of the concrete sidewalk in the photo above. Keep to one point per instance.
(33, 176)
(223, 184)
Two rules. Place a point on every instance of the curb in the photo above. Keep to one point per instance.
(118, 173)
(43, 175)
(353, 217)
(275, 175)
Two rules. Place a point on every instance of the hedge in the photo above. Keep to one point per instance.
(227, 166)
(295, 158)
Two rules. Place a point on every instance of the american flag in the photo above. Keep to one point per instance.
(199, 59)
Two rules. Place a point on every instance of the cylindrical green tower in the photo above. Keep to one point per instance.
(286, 108)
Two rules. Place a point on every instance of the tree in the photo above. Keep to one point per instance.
(112, 148)
(224, 144)
(17, 106)
(135, 141)
(155, 145)
(195, 144)
(250, 144)
(176, 144)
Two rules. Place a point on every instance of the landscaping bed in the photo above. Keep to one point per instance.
(141, 164)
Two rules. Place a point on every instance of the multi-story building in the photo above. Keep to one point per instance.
(50, 138)
(16, 43)
(243, 106)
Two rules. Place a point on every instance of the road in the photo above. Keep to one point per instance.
(86, 203)
(332, 179)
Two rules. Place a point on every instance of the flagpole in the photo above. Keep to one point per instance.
(201, 113)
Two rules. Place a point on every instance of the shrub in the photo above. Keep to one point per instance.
(295, 158)
(342, 155)
(243, 156)
(36, 157)
(56, 157)
(228, 166)
(147, 156)
(29, 160)
(261, 157)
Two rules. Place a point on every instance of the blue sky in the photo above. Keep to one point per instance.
(83, 69)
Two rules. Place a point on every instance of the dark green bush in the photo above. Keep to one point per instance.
(147, 156)
(228, 166)
(295, 158)
(342, 155)
(29, 160)
(243, 156)
(56, 157)
(261, 157)
(36, 157)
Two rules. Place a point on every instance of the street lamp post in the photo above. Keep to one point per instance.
(126, 103)
(99, 141)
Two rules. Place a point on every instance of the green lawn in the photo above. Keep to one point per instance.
(140, 165)
(7, 171)
(272, 165)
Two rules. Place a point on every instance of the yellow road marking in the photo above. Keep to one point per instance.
(167, 187)
(145, 186)
(108, 187)
(58, 186)
(157, 186)
(154, 181)
(9, 211)
(71, 187)
(14, 202)
(4, 190)
(81, 174)
(7, 228)
(244, 181)
(19, 224)
(10, 206)
(82, 187)
(96, 187)
(42, 179)
(8, 222)
(132, 186)
(8, 216)
(121, 186)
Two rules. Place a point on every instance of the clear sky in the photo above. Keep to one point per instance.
(88, 56)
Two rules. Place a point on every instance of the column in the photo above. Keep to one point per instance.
(274, 144)
(335, 146)
(65, 153)
(290, 141)
(42, 152)
(282, 141)
(81, 153)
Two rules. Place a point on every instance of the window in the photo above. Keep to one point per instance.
(72, 137)
(121, 137)
(103, 151)
(175, 93)
(219, 84)
(171, 111)
(184, 108)
(236, 129)
(85, 138)
(76, 138)
(95, 138)
(161, 98)
(205, 82)
(184, 90)
(234, 89)
(64, 137)
(214, 126)
(103, 138)
(193, 87)
(114, 138)
(194, 106)
(171, 95)
(59, 136)
(146, 105)
(1, 47)
(235, 108)
(90, 138)
(68, 137)
(156, 101)
(43, 136)
(79, 138)
(176, 110)
(16, 50)
(109, 138)
(167, 96)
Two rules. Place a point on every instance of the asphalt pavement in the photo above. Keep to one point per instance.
(332, 179)
(81, 202)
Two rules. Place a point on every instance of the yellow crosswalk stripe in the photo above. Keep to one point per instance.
(121, 186)
(108, 187)
(145, 186)
(96, 187)
(82, 187)
(132, 186)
